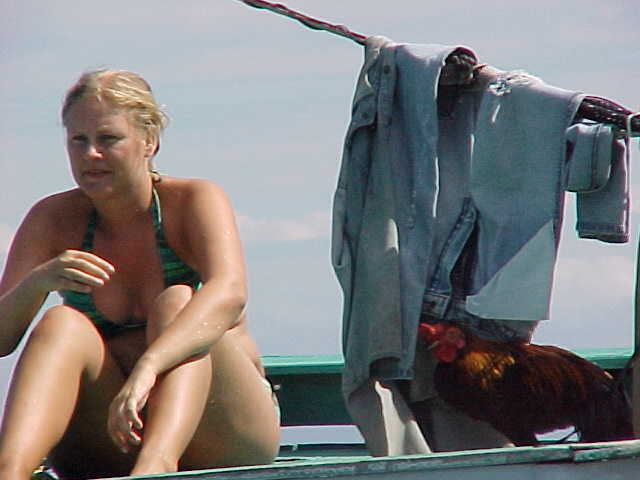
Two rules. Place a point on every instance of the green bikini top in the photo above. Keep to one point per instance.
(175, 272)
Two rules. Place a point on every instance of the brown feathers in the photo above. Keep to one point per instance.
(523, 389)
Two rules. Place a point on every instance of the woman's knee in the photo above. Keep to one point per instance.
(60, 321)
(71, 334)
(166, 306)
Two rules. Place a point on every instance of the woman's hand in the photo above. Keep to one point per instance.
(73, 270)
(124, 423)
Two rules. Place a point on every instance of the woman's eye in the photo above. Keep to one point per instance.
(109, 139)
(79, 139)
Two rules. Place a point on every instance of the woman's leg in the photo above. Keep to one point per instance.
(177, 401)
(241, 421)
(221, 397)
(240, 424)
(63, 353)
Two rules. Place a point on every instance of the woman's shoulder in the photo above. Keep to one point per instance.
(182, 183)
(55, 222)
(189, 206)
(60, 212)
(57, 206)
(189, 190)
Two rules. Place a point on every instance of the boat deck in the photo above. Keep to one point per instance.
(610, 460)
(309, 394)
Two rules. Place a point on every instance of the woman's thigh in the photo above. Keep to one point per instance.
(86, 450)
(240, 423)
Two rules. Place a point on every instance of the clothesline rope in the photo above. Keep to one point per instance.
(310, 22)
(593, 108)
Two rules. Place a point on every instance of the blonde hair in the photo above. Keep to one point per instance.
(121, 89)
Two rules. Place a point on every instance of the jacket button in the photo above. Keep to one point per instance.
(386, 69)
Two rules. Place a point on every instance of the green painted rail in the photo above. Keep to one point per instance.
(309, 387)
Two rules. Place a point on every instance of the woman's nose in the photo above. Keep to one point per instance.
(93, 151)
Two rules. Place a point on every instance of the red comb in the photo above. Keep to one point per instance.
(444, 339)
(429, 332)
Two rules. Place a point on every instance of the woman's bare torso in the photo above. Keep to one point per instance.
(138, 278)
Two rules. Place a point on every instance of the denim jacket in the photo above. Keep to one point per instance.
(459, 209)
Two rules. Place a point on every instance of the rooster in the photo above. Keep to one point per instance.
(523, 389)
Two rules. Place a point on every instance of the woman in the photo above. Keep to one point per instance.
(147, 367)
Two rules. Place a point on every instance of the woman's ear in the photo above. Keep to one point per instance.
(150, 146)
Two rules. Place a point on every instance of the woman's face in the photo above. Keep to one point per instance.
(106, 151)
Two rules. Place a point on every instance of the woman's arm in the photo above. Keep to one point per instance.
(212, 236)
(33, 269)
(216, 307)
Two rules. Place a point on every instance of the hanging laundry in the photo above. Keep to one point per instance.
(449, 206)
(452, 207)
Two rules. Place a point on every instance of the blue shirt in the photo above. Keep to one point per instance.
(418, 191)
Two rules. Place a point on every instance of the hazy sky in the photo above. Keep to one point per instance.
(260, 104)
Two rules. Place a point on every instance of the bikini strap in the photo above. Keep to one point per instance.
(156, 211)
(175, 270)
(87, 241)
(167, 257)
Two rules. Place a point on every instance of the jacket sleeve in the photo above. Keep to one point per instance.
(598, 172)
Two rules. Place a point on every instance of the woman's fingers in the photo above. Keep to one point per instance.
(75, 275)
(75, 270)
(85, 266)
(98, 261)
(134, 419)
(124, 426)
(124, 443)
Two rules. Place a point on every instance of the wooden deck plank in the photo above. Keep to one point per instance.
(620, 460)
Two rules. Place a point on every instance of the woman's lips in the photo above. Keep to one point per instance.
(96, 174)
